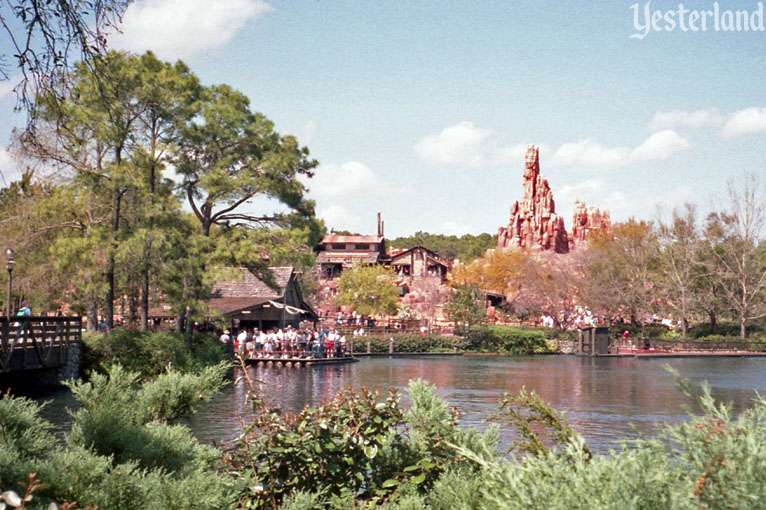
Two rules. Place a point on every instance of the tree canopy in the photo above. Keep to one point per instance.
(122, 152)
(370, 290)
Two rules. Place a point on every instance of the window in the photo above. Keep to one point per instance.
(362, 246)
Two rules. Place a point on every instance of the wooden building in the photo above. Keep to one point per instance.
(245, 301)
(418, 262)
(339, 252)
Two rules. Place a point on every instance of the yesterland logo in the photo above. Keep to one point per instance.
(714, 18)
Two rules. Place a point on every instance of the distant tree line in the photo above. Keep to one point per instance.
(465, 248)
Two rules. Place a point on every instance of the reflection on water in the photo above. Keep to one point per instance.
(606, 399)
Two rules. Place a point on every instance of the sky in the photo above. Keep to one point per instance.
(422, 109)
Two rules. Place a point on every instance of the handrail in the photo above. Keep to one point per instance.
(43, 335)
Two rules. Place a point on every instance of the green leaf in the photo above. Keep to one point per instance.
(371, 451)
(390, 483)
(419, 479)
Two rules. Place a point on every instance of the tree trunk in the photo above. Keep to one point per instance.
(143, 324)
(713, 322)
(92, 311)
(148, 248)
(180, 317)
(109, 305)
(132, 307)
(189, 328)
(742, 325)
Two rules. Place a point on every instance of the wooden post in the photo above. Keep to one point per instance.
(391, 345)
(368, 347)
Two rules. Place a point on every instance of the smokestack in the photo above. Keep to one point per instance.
(382, 228)
(379, 226)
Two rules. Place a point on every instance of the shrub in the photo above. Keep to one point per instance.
(148, 353)
(510, 340)
(122, 451)
(725, 329)
(410, 343)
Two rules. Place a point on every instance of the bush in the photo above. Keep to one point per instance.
(511, 340)
(148, 353)
(122, 450)
(724, 329)
(356, 447)
(410, 343)
(730, 339)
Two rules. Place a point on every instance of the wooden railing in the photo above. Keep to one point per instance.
(390, 326)
(36, 341)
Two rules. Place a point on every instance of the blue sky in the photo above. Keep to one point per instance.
(421, 110)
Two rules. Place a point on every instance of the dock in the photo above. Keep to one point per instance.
(293, 361)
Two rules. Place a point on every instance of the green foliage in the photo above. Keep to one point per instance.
(512, 340)
(725, 329)
(24, 438)
(466, 247)
(370, 290)
(411, 343)
(354, 451)
(466, 306)
(149, 353)
(328, 450)
(528, 413)
(122, 451)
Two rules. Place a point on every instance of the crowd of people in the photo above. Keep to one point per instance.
(287, 343)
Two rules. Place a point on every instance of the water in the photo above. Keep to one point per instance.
(606, 399)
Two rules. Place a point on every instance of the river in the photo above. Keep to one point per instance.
(606, 399)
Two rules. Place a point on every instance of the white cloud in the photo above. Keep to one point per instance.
(175, 29)
(337, 217)
(681, 118)
(735, 124)
(660, 145)
(591, 155)
(466, 144)
(462, 143)
(580, 191)
(349, 181)
(745, 122)
(453, 228)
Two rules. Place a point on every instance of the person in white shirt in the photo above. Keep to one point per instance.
(241, 339)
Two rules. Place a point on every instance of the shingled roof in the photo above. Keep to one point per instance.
(244, 284)
(240, 290)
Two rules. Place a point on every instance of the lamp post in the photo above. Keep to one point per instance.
(9, 253)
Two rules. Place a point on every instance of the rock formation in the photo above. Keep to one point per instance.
(534, 222)
(586, 220)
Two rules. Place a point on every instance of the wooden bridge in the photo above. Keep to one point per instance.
(38, 342)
